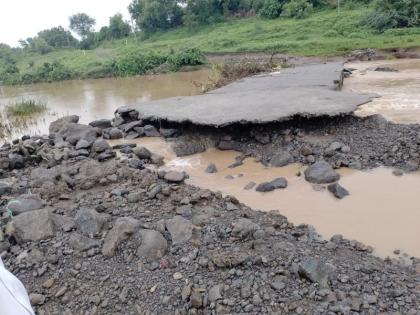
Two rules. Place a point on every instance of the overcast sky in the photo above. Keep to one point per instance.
(20, 19)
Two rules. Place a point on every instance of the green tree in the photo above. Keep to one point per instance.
(58, 37)
(199, 12)
(156, 15)
(40, 45)
(118, 28)
(270, 9)
(297, 9)
(82, 24)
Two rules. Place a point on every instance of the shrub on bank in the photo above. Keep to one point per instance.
(130, 63)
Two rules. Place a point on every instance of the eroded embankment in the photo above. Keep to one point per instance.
(93, 234)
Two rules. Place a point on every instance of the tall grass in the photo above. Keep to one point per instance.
(25, 108)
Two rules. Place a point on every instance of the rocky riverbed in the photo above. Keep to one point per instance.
(92, 232)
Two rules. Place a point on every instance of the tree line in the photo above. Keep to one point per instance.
(150, 16)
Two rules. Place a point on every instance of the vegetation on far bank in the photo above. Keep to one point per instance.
(167, 37)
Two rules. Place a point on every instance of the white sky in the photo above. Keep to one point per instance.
(20, 19)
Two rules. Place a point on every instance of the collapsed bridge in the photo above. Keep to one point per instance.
(306, 91)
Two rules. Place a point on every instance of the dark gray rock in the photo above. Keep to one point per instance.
(116, 133)
(211, 168)
(82, 243)
(174, 177)
(25, 203)
(153, 245)
(315, 271)
(244, 227)
(142, 152)
(132, 135)
(32, 226)
(59, 124)
(168, 132)
(151, 131)
(281, 159)
(72, 133)
(101, 123)
(101, 145)
(321, 173)
(122, 230)
(338, 191)
(89, 222)
(277, 183)
(16, 161)
(180, 229)
(83, 144)
(131, 125)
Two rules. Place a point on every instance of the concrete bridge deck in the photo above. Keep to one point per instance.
(308, 91)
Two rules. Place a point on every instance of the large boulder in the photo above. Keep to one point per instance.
(59, 124)
(122, 230)
(180, 229)
(153, 245)
(32, 226)
(72, 133)
(321, 173)
(25, 203)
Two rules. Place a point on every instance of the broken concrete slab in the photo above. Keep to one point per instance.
(307, 91)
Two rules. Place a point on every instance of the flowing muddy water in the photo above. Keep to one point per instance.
(95, 99)
(399, 91)
(382, 209)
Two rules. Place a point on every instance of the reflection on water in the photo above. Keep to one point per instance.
(381, 211)
(400, 91)
(94, 99)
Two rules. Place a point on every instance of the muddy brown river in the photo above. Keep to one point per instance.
(399, 90)
(382, 209)
(94, 99)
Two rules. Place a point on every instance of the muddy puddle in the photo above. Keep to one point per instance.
(382, 209)
(93, 99)
(399, 90)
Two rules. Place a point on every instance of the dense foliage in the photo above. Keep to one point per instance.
(132, 62)
(156, 15)
(388, 14)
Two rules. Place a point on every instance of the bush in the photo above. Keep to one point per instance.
(297, 9)
(270, 9)
(380, 21)
(392, 14)
(136, 63)
(189, 57)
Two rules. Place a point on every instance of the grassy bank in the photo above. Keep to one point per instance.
(323, 33)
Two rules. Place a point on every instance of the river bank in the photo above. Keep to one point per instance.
(126, 215)
(159, 246)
